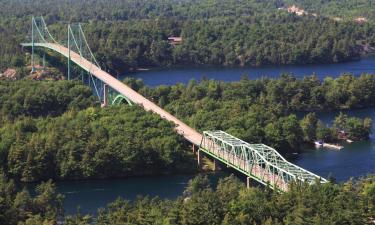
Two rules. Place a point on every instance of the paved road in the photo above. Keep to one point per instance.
(187, 132)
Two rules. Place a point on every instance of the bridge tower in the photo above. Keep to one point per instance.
(75, 43)
(33, 45)
(37, 35)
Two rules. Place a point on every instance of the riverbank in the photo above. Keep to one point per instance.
(171, 76)
(367, 51)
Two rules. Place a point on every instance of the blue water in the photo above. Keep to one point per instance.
(354, 160)
(93, 194)
(172, 76)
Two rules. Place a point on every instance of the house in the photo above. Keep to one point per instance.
(175, 40)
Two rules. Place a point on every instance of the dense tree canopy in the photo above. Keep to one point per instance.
(33, 98)
(56, 129)
(93, 143)
(51, 130)
(17, 206)
(282, 96)
(344, 9)
(131, 34)
(263, 110)
(231, 203)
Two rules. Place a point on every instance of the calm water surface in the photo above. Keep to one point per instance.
(93, 194)
(354, 160)
(183, 75)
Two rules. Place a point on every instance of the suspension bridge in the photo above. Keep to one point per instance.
(257, 161)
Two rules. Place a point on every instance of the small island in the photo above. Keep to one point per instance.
(344, 129)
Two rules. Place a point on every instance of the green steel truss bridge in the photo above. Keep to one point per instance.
(257, 161)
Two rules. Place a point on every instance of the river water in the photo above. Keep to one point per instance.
(172, 76)
(354, 160)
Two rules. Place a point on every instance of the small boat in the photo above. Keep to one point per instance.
(349, 141)
(318, 144)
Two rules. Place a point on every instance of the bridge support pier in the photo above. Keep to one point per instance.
(199, 157)
(105, 96)
(193, 148)
(248, 182)
(215, 166)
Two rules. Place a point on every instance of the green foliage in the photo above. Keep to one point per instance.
(18, 207)
(92, 143)
(261, 39)
(126, 141)
(231, 203)
(309, 125)
(339, 8)
(196, 185)
(130, 34)
(35, 98)
(369, 195)
(324, 133)
(262, 110)
(356, 129)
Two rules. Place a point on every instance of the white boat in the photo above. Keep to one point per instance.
(318, 144)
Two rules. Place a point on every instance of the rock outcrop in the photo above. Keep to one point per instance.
(10, 74)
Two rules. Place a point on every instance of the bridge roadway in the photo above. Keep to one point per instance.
(187, 132)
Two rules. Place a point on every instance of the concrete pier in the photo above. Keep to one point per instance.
(199, 157)
(105, 95)
(215, 166)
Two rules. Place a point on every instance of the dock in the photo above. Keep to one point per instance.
(333, 146)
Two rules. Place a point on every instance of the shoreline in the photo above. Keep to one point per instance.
(362, 55)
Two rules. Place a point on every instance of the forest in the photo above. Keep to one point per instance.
(134, 34)
(56, 130)
(269, 110)
(92, 143)
(34, 99)
(18, 206)
(76, 139)
(345, 9)
(230, 202)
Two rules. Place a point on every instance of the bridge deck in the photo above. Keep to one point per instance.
(187, 132)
